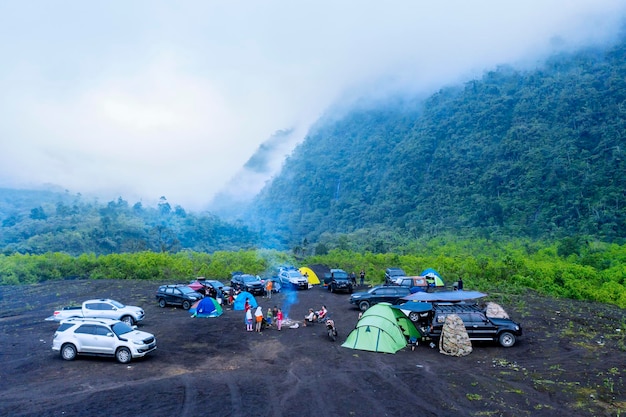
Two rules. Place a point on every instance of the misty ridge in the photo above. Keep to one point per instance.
(533, 154)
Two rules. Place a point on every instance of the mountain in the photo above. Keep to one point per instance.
(529, 153)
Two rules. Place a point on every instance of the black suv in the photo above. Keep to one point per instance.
(247, 282)
(392, 273)
(178, 294)
(477, 324)
(338, 280)
(380, 294)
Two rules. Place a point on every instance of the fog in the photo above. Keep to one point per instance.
(146, 99)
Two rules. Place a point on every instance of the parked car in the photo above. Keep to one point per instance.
(202, 285)
(415, 284)
(392, 273)
(291, 277)
(101, 337)
(379, 294)
(101, 308)
(247, 282)
(338, 280)
(178, 294)
(477, 324)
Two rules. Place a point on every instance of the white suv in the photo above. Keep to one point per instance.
(101, 337)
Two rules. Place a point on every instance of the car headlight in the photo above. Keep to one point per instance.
(138, 342)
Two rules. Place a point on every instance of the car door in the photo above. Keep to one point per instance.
(479, 327)
(103, 340)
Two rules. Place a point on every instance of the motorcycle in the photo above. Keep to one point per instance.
(331, 329)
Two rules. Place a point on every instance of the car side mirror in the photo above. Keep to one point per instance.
(109, 334)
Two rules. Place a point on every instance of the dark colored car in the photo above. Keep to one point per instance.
(247, 282)
(477, 324)
(392, 273)
(178, 294)
(338, 280)
(204, 286)
(379, 294)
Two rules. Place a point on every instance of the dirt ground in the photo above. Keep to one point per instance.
(571, 361)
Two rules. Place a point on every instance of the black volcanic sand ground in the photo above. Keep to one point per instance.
(571, 361)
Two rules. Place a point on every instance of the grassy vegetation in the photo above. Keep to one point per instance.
(590, 271)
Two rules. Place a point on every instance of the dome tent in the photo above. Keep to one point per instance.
(240, 301)
(382, 329)
(206, 307)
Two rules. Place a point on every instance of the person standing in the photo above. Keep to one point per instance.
(362, 276)
(279, 319)
(269, 317)
(249, 319)
(258, 318)
(268, 288)
(353, 278)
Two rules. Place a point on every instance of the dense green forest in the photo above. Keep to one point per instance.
(537, 154)
(35, 222)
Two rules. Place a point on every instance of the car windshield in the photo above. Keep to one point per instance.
(215, 284)
(117, 304)
(294, 274)
(121, 328)
(186, 290)
(249, 278)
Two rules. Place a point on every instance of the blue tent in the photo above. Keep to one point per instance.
(206, 307)
(240, 301)
(433, 278)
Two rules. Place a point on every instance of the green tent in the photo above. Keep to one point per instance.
(382, 329)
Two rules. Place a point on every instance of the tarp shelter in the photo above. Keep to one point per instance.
(433, 277)
(382, 329)
(206, 307)
(312, 276)
(454, 340)
(240, 301)
(444, 296)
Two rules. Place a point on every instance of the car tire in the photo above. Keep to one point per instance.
(364, 305)
(186, 305)
(413, 316)
(128, 320)
(68, 352)
(162, 302)
(506, 339)
(123, 355)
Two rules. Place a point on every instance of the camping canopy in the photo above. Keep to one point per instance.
(382, 329)
(206, 307)
(312, 276)
(240, 301)
(444, 296)
(433, 277)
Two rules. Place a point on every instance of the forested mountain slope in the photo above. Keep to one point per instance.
(535, 154)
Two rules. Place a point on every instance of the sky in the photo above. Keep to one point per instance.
(143, 99)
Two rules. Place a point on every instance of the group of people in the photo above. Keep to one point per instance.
(254, 321)
(313, 316)
(361, 277)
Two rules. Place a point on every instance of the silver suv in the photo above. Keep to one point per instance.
(101, 337)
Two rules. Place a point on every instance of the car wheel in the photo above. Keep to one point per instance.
(128, 320)
(186, 305)
(162, 302)
(413, 316)
(507, 339)
(68, 352)
(123, 355)
(364, 305)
